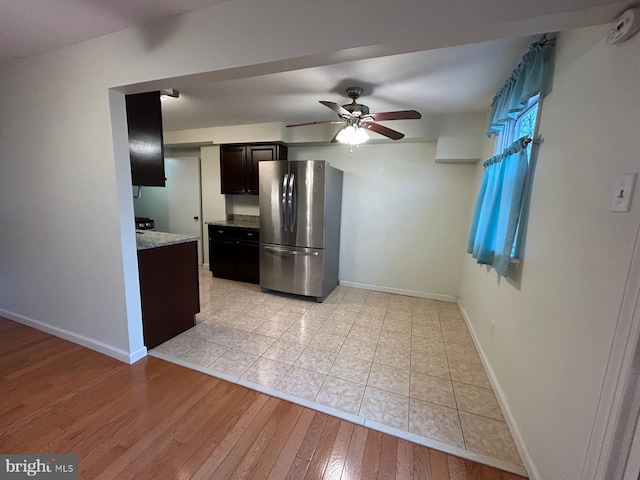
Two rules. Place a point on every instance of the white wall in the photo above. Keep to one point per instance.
(404, 217)
(213, 202)
(243, 204)
(554, 329)
(257, 132)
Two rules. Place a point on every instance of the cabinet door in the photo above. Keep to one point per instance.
(248, 262)
(210, 254)
(257, 154)
(233, 169)
(169, 291)
(223, 258)
(146, 148)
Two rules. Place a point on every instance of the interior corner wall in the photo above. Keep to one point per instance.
(554, 328)
(404, 217)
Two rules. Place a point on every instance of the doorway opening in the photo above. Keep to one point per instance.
(177, 207)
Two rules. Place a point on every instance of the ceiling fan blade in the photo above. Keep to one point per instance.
(399, 115)
(339, 109)
(335, 137)
(310, 123)
(382, 130)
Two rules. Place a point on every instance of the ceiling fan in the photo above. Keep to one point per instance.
(356, 117)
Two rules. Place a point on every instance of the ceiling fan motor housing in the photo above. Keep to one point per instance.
(354, 92)
(355, 108)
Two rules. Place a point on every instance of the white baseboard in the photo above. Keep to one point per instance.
(118, 354)
(137, 355)
(400, 291)
(525, 455)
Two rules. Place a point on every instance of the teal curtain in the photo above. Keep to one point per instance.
(498, 207)
(504, 194)
(530, 77)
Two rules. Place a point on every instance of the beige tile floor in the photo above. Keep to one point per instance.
(404, 365)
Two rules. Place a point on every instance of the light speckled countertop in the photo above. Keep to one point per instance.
(151, 239)
(242, 221)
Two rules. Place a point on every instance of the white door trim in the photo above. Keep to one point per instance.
(619, 403)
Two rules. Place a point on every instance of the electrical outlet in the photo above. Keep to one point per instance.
(623, 193)
(492, 327)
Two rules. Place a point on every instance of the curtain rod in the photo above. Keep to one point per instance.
(536, 141)
(546, 40)
(515, 147)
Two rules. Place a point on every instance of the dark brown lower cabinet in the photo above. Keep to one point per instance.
(248, 262)
(234, 253)
(169, 291)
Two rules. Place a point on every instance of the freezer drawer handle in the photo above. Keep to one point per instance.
(291, 252)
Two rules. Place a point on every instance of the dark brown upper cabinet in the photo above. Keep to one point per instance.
(146, 148)
(239, 165)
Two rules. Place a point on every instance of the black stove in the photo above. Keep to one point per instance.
(144, 223)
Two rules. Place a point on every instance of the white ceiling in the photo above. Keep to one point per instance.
(448, 80)
(437, 82)
(30, 27)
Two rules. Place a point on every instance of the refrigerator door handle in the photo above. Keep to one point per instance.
(290, 252)
(290, 202)
(284, 202)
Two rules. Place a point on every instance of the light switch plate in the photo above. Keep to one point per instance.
(624, 193)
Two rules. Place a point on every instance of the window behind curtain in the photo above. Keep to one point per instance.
(524, 125)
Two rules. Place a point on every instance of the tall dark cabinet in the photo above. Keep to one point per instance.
(146, 148)
(239, 165)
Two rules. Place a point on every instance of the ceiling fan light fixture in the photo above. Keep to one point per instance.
(353, 135)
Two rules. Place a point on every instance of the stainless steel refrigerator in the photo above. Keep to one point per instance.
(300, 208)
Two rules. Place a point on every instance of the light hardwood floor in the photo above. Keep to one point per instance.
(157, 420)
